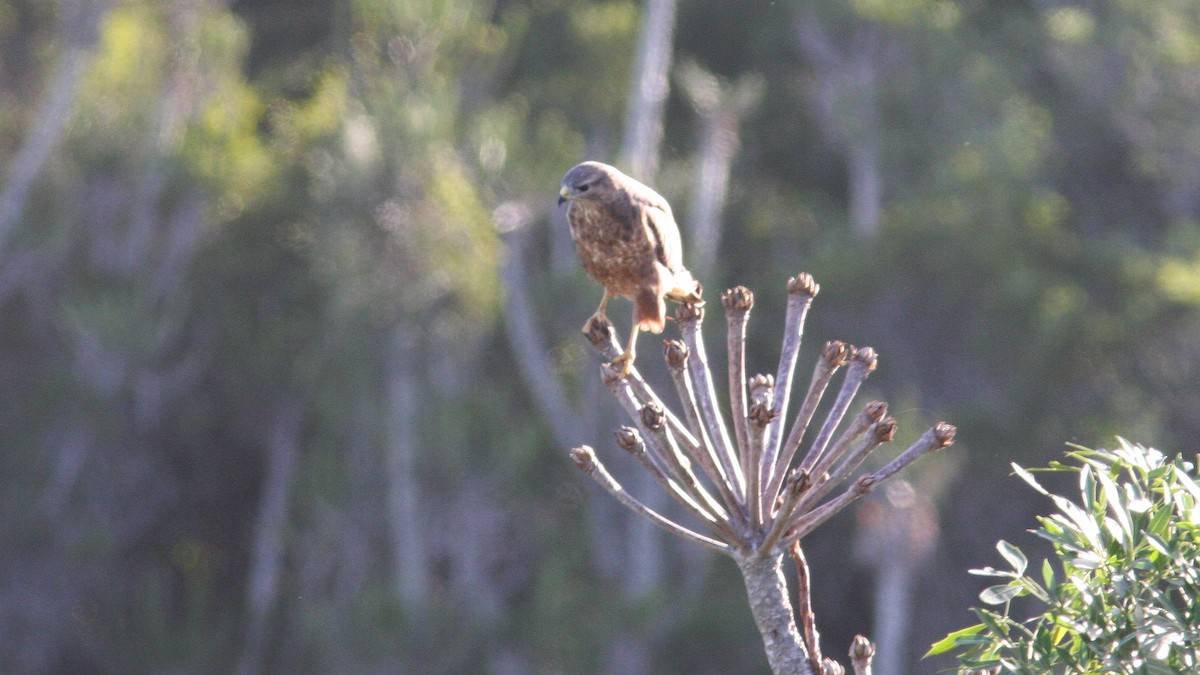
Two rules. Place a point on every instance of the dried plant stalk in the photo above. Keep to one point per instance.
(766, 506)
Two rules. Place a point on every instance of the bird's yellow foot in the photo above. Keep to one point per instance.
(626, 361)
(598, 319)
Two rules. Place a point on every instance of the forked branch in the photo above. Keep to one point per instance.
(750, 499)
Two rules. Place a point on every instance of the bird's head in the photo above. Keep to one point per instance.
(591, 181)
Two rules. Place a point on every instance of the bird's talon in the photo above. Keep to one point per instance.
(626, 361)
(595, 322)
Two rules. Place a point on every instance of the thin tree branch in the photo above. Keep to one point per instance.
(938, 437)
(881, 432)
(801, 291)
(738, 301)
(525, 338)
(808, 620)
(861, 365)
(79, 33)
(793, 488)
(649, 89)
(676, 353)
(652, 418)
(833, 356)
(760, 414)
(603, 338)
(267, 549)
(585, 458)
(630, 440)
(873, 412)
(861, 653)
(689, 318)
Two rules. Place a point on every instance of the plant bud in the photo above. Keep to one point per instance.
(944, 433)
(628, 438)
(803, 283)
(676, 354)
(737, 299)
(885, 430)
(584, 457)
(653, 416)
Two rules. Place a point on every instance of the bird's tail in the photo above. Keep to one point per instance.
(685, 288)
(649, 311)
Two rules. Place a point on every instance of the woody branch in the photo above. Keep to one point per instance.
(749, 500)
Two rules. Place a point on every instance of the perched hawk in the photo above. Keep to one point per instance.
(629, 242)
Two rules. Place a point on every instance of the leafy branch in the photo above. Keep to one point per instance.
(1129, 553)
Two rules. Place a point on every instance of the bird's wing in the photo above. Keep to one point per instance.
(663, 233)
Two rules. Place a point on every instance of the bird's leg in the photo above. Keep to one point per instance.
(598, 315)
(626, 359)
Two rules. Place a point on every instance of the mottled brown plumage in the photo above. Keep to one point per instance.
(628, 241)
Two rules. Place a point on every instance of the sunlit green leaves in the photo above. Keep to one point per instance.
(1131, 563)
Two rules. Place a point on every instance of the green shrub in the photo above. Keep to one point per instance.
(1127, 598)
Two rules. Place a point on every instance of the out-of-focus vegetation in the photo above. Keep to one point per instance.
(262, 408)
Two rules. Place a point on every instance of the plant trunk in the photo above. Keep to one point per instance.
(767, 591)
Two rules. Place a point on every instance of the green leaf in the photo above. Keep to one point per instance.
(1013, 555)
(1028, 478)
(998, 595)
(1087, 488)
(952, 640)
(1048, 574)
(1116, 506)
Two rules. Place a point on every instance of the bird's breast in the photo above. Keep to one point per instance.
(618, 261)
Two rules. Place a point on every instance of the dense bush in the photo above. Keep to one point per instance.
(1125, 596)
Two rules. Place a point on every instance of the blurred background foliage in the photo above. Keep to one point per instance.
(267, 408)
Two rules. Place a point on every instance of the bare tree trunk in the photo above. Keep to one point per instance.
(267, 549)
(720, 108)
(648, 91)
(866, 184)
(718, 143)
(526, 339)
(772, 609)
(80, 21)
(897, 534)
(400, 450)
(845, 103)
(892, 617)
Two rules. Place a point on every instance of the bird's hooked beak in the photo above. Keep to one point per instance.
(563, 192)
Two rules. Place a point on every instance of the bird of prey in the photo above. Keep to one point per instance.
(628, 241)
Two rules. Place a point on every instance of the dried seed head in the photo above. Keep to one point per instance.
(761, 383)
(797, 481)
(875, 410)
(803, 283)
(584, 457)
(762, 398)
(861, 649)
(653, 416)
(867, 356)
(737, 299)
(598, 331)
(761, 414)
(831, 667)
(676, 354)
(944, 433)
(629, 439)
(885, 430)
(836, 353)
(688, 312)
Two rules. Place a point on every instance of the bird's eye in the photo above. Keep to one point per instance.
(584, 188)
